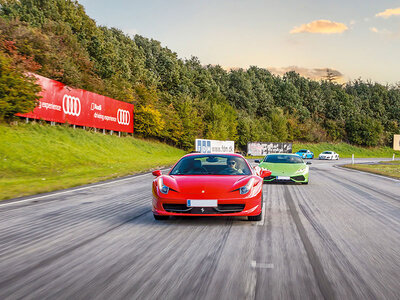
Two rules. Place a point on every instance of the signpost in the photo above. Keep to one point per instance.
(61, 104)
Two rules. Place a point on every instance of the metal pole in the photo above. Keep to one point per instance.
(104, 131)
(74, 126)
(119, 133)
(393, 157)
(111, 132)
(352, 159)
(27, 120)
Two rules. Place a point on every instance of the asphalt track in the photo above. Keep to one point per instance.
(336, 238)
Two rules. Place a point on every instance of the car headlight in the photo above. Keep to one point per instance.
(246, 188)
(162, 187)
(300, 170)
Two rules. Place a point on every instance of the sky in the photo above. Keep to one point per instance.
(354, 38)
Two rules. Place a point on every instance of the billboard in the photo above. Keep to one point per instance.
(261, 149)
(213, 146)
(60, 103)
(396, 142)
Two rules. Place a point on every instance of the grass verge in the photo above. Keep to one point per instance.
(391, 169)
(41, 158)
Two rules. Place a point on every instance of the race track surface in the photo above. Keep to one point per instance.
(336, 238)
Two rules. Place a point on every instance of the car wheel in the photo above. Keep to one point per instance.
(255, 218)
(160, 217)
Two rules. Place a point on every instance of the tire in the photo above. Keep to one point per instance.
(255, 218)
(159, 217)
(304, 182)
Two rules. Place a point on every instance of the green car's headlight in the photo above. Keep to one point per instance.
(301, 170)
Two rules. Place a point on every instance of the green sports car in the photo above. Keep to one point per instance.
(285, 168)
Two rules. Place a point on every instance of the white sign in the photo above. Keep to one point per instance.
(261, 149)
(213, 146)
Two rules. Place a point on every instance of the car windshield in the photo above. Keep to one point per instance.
(327, 152)
(283, 159)
(302, 150)
(211, 165)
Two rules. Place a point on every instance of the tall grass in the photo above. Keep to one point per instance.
(40, 158)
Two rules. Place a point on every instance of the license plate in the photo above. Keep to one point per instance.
(202, 203)
(283, 178)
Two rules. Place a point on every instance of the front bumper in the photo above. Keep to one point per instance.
(301, 178)
(226, 207)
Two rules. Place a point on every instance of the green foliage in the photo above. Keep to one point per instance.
(148, 121)
(183, 99)
(18, 92)
(364, 130)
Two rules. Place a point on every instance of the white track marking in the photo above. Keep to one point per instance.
(254, 264)
(368, 173)
(73, 190)
(261, 223)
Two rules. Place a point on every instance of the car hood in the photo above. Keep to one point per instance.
(206, 184)
(282, 169)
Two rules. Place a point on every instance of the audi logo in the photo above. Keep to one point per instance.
(71, 105)
(123, 117)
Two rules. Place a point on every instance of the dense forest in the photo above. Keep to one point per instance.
(177, 100)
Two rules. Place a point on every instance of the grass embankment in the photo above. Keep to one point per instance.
(346, 150)
(41, 158)
(391, 169)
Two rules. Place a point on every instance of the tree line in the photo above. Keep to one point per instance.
(177, 100)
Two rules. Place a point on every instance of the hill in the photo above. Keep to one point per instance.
(178, 99)
(46, 158)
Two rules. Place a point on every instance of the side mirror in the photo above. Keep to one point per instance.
(257, 161)
(308, 163)
(157, 173)
(265, 173)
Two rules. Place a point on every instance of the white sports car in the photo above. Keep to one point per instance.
(328, 155)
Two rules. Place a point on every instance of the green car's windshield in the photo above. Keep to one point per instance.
(211, 165)
(283, 159)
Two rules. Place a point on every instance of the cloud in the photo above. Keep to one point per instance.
(314, 74)
(320, 26)
(389, 12)
(374, 29)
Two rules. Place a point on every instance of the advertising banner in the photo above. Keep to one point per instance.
(213, 146)
(261, 149)
(60, 103)
(396, 142)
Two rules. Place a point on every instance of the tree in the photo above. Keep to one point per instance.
(18, 92)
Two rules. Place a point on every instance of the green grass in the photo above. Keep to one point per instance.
(346, 150)
(391, 170)
(41, 158)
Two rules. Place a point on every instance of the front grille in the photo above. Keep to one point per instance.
(176, 207)
(230, 208)
(222, 208)
(298, 178)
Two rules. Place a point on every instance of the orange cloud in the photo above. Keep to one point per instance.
(389, 12)
(321, 26)
(314, 74)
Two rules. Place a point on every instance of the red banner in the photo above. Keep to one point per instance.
(60, 103)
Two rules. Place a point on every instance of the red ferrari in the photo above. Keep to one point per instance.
(209, 185)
